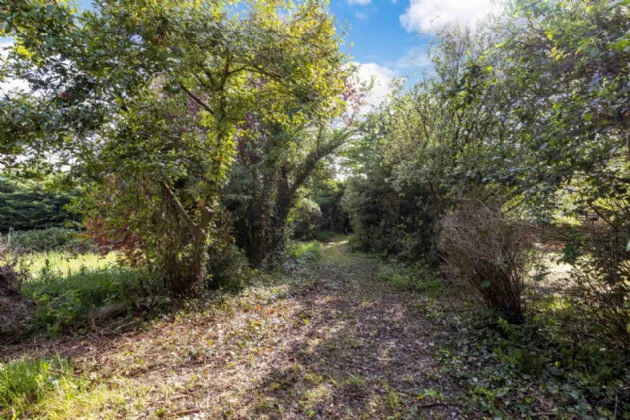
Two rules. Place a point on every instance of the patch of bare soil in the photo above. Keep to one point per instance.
(332, 341)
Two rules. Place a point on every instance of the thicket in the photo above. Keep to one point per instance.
(190, 128)
(477, 169)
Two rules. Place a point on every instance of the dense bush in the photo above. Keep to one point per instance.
(305, 220)
(392, 223)
(490, 254)
(601, 270)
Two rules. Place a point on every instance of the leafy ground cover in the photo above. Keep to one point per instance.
(65, 292)
(328, 339)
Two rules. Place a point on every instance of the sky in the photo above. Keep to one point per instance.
(390, 37)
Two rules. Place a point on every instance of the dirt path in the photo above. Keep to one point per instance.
(329, 340)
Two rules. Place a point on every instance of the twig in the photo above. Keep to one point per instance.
(439, 403)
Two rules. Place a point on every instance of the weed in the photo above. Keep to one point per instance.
(354, 384)
(393, 400)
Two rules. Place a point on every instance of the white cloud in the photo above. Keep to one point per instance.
(432, 15)
(360, 15)
(360, 2)
(382, 77)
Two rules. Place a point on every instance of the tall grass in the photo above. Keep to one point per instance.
(56, 264)
(24, 383)
(70, 289)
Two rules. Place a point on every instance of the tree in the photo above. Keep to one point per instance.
(147, 99)
(272, 167)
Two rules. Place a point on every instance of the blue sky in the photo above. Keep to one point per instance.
(390, 37)
(386, 34)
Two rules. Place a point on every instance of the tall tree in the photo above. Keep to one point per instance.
(148, 98)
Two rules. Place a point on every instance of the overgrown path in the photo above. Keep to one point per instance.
(329, 340)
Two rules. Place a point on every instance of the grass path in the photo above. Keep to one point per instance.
(328, 340)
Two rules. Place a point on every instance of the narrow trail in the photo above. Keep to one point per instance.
(329, 340)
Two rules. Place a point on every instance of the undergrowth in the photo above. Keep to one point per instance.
(304, 251)
(530, 371)
(70, 301)
(553, 364)
(417, 278)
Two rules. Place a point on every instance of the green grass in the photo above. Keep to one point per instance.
(24, 383)
(58, 264)
(416, 278)
(50, 389)
(69, 289)
(70, 301)
(305, 251)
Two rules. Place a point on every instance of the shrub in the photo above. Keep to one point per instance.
(601, 269)
(51, 239)
(305, 219)
(489, 253)
(12, 272)
(227, 268)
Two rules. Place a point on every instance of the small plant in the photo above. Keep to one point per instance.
(393, 400)
(354, 384)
